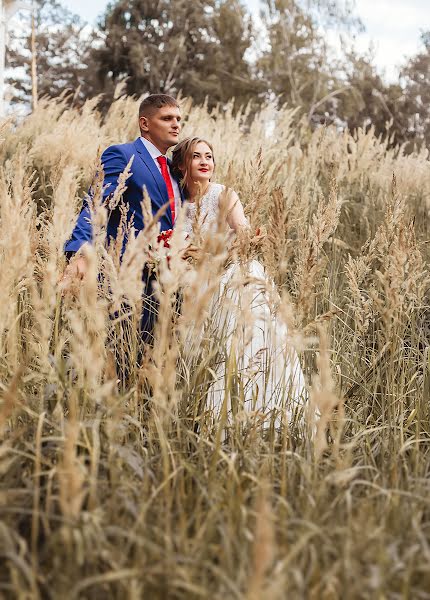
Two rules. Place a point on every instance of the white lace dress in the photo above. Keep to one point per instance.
(258, 360)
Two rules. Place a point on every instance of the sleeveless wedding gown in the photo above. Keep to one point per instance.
(258, 361)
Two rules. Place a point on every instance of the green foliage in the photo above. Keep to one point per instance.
(416, 101)
(295, 64)
(61, 46)
(197, 48)
(369, 101)
(213, 50)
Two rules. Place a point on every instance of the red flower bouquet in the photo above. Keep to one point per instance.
(164, 237)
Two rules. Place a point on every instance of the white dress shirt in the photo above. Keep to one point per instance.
(155, 153)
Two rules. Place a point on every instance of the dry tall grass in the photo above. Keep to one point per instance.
(133, 489)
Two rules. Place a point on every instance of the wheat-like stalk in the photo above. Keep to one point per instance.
(119, 479)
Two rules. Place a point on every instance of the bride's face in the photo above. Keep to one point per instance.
(202, 164)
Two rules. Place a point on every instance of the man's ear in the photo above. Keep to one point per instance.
(143, 123)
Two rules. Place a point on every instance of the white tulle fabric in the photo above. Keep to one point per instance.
(262, 366)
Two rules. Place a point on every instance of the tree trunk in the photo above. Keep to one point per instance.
(33, 63)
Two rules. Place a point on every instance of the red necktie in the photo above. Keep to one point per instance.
(162, 161)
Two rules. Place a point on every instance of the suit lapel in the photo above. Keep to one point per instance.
(152, 168)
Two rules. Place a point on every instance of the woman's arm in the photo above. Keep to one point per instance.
(235, 215)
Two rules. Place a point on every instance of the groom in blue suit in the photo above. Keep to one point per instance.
(160, 125)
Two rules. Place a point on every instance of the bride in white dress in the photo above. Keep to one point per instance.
(266, 370)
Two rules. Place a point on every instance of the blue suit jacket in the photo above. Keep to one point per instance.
(145, 173)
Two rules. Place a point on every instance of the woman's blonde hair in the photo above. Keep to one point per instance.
(182, 158)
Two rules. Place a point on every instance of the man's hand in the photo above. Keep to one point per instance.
(73, 274)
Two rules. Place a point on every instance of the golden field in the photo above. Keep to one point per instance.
(133, 489)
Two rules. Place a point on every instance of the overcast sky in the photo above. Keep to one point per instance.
(392, 25)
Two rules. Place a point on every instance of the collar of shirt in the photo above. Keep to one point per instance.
(153, 150)
(155, 153)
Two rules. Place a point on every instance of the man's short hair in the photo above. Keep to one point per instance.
(154, 102)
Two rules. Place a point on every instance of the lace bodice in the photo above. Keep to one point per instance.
(209, 207)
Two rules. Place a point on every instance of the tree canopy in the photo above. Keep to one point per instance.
(214, 50)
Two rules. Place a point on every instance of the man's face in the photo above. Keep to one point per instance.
(162, 127)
